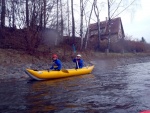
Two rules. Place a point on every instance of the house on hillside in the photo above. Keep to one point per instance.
(116, 31)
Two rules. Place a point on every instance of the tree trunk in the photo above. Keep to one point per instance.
(62, 26)
(33, 15)
(81, 23)
(98, 24)
(41, 15)
(3, 13)
(56, 40)
(57, 15)
(88, 30)
(68, 17)
(44, 13)
(73, 22)
(108, 46)
(13, 14)
(27, 14)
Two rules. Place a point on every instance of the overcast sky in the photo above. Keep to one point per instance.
(136, 24)
(139, 25)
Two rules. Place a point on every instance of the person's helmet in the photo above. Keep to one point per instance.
(78, 55)
(54, 56)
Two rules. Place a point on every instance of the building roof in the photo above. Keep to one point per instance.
(114, 26)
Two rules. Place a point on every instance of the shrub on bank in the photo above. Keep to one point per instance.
(129, 46)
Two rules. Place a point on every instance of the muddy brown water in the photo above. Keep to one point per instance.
(115, 86)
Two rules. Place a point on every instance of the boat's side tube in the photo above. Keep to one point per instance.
(30, 75)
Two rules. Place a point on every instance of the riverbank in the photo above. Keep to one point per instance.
(13, 62)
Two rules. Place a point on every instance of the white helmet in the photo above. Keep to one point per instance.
(78, 55)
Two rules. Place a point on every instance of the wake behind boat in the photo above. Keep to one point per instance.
(45, 74)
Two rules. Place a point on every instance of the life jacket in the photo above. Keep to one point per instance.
(55, 66)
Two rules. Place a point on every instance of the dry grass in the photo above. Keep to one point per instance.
(10, 56)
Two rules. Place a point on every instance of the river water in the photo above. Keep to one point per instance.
(115, 86)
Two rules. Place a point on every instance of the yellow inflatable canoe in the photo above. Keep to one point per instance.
(44, 74)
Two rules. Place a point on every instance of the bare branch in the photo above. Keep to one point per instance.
(125, 8)
(116, 9)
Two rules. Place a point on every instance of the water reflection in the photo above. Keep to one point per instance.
(56, 94)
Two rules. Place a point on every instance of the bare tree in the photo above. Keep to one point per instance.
(73, 22)
(44, 13)
(68, 14)
(56, 40)
(0, 10)
(62, 24)
(13, 13)
(96, 10)
(57, 13)
(83, 20)
(87, 34)
(109, 20)
(3, 13)
(81, 23)
(27, 14)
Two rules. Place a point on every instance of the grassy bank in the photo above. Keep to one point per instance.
(10, 56)
(14, 62)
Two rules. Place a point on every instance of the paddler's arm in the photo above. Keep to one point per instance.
(81, 62)
(52, 67)
(74, 60)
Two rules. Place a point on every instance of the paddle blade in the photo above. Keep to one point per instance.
(65, 71)
(74, 48)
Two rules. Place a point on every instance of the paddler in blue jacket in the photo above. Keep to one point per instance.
(79, 62)
(57, 65)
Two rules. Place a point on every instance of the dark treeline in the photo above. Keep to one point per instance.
(25, 13)
(29, 19)
(25, 23)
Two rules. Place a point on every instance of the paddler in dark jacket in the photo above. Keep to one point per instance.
(57, 65)
(79, 62)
